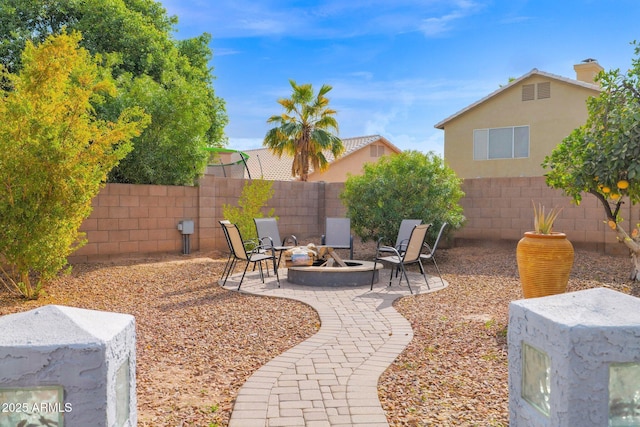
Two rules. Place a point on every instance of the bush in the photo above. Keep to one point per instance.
(410, 185)
(255, 195)
(54, 158)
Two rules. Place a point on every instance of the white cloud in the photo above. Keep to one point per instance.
(436, 26)
(331, 19)
(225, 52)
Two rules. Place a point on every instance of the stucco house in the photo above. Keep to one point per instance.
(358, 151)
(509, 132)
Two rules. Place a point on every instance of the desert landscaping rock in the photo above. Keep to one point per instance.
(197, 343)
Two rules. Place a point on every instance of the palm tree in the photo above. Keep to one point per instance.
(304, 130)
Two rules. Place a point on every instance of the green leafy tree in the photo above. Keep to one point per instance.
(410, 185)
(134, 38)
(602, 157)
(255, 195)
(54, 157)
(304, 130)
(166, 153)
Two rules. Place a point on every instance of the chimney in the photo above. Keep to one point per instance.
(587, 70)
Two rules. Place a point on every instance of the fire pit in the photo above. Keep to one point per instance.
(330, 270)
(356, 273)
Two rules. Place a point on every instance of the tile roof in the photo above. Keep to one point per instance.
(263, 163)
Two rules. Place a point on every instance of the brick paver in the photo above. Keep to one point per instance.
(331, 378)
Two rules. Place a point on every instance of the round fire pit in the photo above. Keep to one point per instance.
(356, 273)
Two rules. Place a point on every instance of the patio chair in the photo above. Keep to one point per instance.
(258, 254)
(399, 260)
(268, 234)
(404, 232)
(338, 234)
(406, 226)
(231, 260)
(431, 250)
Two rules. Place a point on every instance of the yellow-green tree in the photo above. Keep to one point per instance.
(255, 195)
(54, 157)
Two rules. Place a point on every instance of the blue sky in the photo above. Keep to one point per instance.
(397, 67)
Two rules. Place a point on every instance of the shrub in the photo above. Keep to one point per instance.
(254, 197)
(410, 185)
(54, 158)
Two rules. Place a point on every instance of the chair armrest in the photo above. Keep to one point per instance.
(269, 243)
(251, 243)
(262, 249)
(388, 249)
(402, 246)
(293, 238)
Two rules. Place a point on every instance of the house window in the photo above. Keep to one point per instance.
(376, 150)
(501, 143)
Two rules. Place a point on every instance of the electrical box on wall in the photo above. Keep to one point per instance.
(186, 226)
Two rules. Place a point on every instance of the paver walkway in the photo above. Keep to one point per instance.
(331, 378)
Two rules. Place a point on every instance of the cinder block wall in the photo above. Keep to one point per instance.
(136, 219)
(131, 220)
(501, 210)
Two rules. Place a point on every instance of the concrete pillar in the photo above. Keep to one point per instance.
(574, 360)
(68, 365)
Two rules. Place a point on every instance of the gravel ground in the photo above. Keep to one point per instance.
(197, 343)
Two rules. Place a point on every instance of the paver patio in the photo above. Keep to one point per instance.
(331, 378)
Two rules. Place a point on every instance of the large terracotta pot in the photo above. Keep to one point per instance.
(544, 263)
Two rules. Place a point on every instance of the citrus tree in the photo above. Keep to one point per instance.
(409, 185)
(602, 157)
(54, 157)
(305, 130)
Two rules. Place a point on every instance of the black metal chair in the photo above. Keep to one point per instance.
(231, 260)
(338, 234)
(399, 260)
(431, 254)
(268, 233)
(258, 254)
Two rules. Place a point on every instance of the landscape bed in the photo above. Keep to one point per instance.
(197, 342)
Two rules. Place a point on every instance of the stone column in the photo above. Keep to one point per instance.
(68, 365)
(574, 360)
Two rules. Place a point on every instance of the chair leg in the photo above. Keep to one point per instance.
(373, 275)
(404, 271)
(243, 273)
(261, 270)
(231, 268)
(275, 268)
(391, 275)
(226, 266)
(438, 270)
(424, 274)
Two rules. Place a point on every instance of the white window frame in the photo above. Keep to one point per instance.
(484, 150)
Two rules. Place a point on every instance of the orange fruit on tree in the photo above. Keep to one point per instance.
(614, 196)
(623, 184)
(612, 224)
(606, 190)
